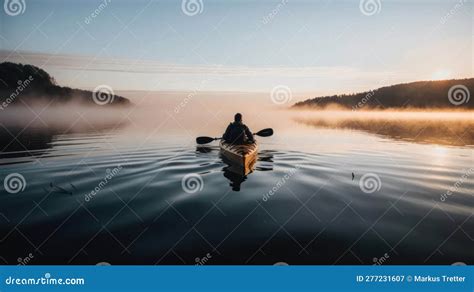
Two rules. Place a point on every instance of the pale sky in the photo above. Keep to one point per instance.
(321, 47)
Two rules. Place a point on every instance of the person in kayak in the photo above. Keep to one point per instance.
(238, 133)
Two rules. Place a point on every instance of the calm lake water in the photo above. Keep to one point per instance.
(144, 193)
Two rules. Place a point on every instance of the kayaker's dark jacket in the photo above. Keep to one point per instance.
(238, 133)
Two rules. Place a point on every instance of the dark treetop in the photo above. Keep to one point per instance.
(26, 83)
(421, 94)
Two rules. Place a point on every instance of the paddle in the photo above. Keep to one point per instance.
(265, 132)
(262, 133)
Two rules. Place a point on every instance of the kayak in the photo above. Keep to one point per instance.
(243, 157)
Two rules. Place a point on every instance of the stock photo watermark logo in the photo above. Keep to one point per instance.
(370, 183)
(192, 183)
(14, 183)
(14, 7)
(88, 19)
(109, 175)
(190, 96)
(202, 261)
(26, 260)
(369, 95)
(281, 94)
(380, 261)
(364, 100)
(272, 14)
(458, 95)
(370, 7)
(22, 85)
(192, 7)
(453, 11)
(47, 279)
(103, 94)
(454, 188)
(280, 183)
(184, 102)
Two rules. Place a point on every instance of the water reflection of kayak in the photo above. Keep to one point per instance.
(241, 157)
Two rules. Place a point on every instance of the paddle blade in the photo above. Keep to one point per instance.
(204, 140)
(265, 132)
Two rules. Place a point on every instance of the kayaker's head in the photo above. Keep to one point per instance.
(238, 118)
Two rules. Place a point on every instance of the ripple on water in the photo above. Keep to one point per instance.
(310, 194)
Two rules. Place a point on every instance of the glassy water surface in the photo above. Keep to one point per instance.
(317, 195)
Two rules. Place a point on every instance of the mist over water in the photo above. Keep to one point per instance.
(421, 161)
(195, 113)
(435, 127)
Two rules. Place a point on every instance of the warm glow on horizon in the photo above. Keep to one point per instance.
(441, 74)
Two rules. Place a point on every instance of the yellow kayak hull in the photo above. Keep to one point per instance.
(242, 157)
